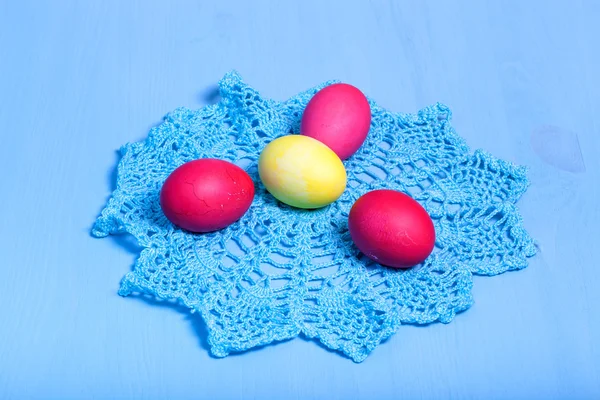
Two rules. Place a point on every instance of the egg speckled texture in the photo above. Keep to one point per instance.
(206, 195)
(391, 228)
(302, 172)
(339, 115)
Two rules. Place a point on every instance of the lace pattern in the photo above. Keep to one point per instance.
(280, 272)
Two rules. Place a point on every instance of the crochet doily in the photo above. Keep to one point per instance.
(281, 272)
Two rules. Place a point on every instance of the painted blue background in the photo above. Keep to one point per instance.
(78, 79)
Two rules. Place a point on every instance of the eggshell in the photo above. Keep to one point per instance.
(301, 171)
(339, 116)
(206, 195)
(391, 228)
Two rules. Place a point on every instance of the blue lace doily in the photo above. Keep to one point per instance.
(280, 272)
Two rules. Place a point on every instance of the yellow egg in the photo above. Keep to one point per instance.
(302, 172)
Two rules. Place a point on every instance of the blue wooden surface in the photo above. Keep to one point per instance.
(78, 79)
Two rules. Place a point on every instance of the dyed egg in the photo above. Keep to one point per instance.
(206, 195)
(302, 172)
(391, 228)
(339, 116)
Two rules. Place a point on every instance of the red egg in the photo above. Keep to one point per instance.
(339, 115)
(206, 195)
(391, 228)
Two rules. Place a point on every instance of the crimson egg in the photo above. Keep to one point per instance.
(391, 228)
(206, 195)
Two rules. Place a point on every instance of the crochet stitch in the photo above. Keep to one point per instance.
(279, 271)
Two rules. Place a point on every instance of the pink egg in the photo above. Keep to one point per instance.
(339, 115)
(391, 228)
(206, 195)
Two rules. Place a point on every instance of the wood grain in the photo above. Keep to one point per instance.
(78, 79)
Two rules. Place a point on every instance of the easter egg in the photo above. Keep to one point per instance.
(339, 116)
(301, 171)
(206, 195)
(391, 228)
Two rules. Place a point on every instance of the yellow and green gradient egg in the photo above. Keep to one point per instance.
(302, 172)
